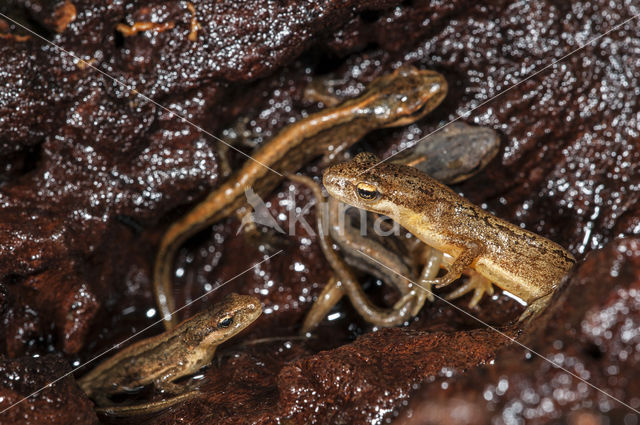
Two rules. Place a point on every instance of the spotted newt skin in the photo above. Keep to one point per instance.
(527, 265)
(391, 100)
(450, 155)
(171, 355)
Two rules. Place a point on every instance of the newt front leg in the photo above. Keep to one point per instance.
(470, 254)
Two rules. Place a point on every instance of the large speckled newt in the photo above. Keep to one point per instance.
(450, 155)
(521, 262)
(392, 100)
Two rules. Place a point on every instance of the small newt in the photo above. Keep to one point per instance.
(391, 100)
(173, 354)
(451, 155)
(521, 262)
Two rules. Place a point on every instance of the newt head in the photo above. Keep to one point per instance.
(405, 95)
(381, 187)
(227, 318)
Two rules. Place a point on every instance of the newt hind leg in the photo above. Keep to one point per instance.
(476, 283)
(433, 260)
(146, 408)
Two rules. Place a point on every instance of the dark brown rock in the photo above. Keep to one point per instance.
(29, 377)
(363, 382)
(591, 333)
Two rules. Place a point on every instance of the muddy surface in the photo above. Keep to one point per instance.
(91, 175)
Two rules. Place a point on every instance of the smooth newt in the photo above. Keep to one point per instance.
(173, 354)
(521, 262)
(451, 155)
(391, 100)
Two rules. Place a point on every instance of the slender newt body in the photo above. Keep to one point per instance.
(166, 357)
(355, 240)
(525, 264)
(392, 100)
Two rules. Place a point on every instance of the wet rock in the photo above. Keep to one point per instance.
(580, 358)
(25, 114)
(62, 403)
(364, 381)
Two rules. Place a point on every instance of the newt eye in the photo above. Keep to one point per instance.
(367, 191)
(226, 322)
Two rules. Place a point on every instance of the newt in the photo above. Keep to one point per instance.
(451, 155)
(162, 359)
(516, 260)
(391, 100)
